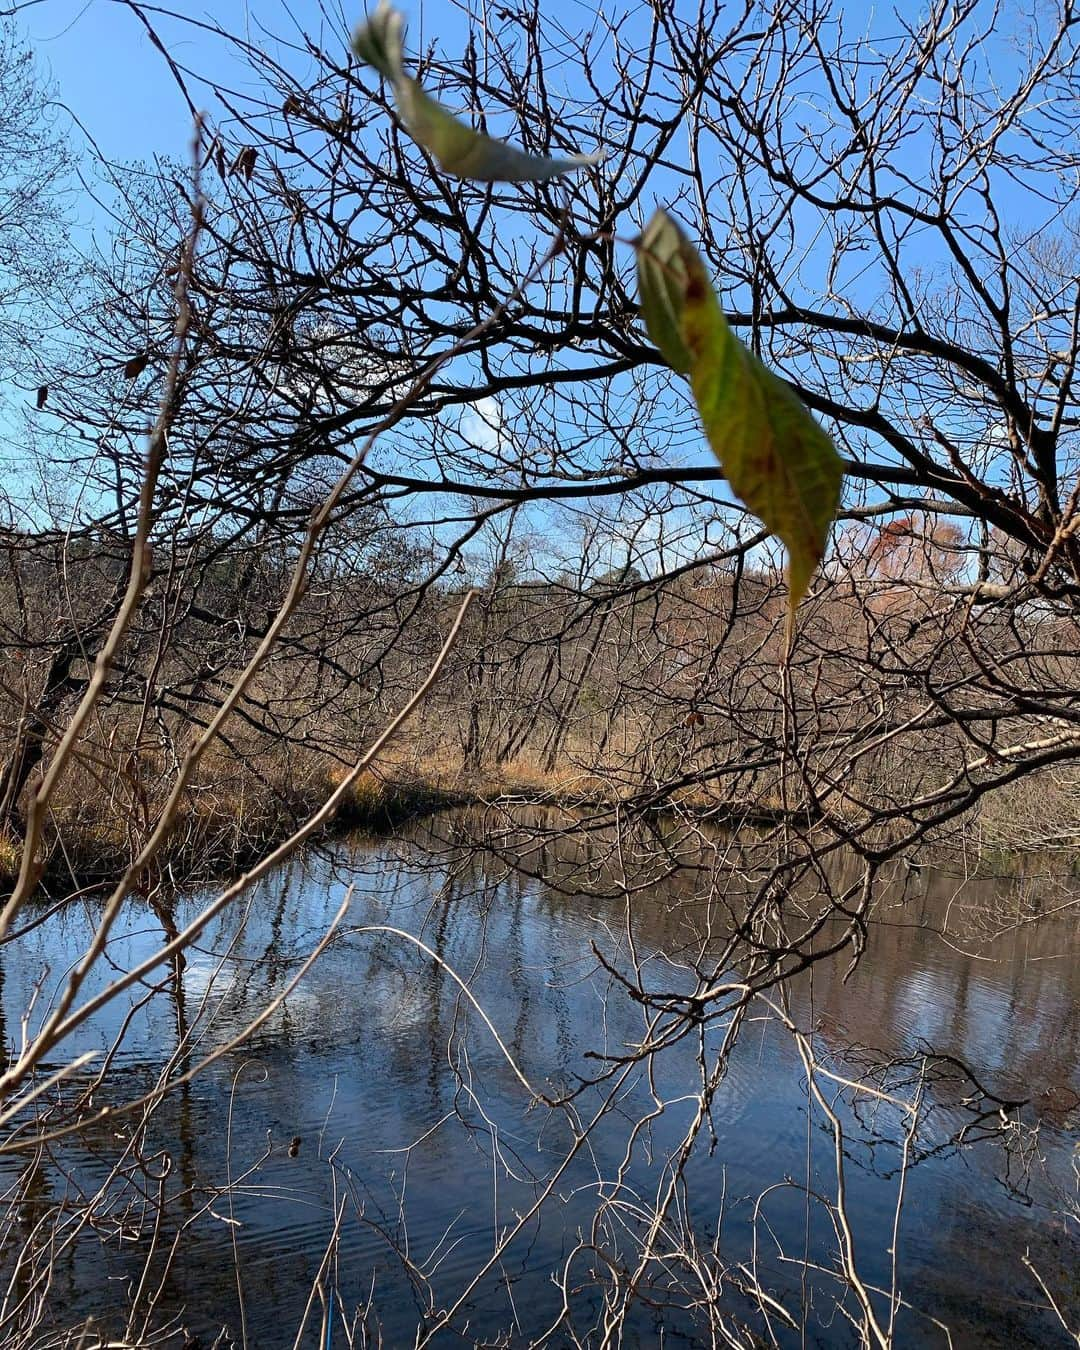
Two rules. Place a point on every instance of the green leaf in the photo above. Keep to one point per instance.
(662, 288)
(457, 148)
(378, 42)
(777, 459)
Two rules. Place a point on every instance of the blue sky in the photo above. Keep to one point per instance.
(115, 82)
(110, 76)
(117, 85)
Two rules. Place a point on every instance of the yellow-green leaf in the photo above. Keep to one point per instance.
(662, 287)
(458, 149)
(378, 42)
(777, 459)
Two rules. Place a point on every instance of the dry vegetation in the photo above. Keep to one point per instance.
(666, 695)
(345, 489)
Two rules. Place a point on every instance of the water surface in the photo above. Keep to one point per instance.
(415, 1147)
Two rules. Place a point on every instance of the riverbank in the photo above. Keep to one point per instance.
(237, 814)
(230, 821)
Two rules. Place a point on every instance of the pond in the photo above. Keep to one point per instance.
(374, 1166)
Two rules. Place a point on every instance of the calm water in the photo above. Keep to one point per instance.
(417, 1140)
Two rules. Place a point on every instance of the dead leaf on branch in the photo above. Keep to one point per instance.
(244, 163)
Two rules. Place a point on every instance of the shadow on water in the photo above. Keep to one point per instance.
(376, 1091)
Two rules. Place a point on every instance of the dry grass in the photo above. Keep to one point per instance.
(9, 859)
(1040, 813)
(250, 795)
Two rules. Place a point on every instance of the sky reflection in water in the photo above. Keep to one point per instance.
(376, 1050)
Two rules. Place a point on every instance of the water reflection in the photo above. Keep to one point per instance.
(415, 1129)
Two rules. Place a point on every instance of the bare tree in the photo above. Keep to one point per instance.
(374, 387)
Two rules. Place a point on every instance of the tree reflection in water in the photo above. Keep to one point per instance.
(661, 1174)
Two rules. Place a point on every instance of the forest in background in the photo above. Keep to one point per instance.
(623, 638)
